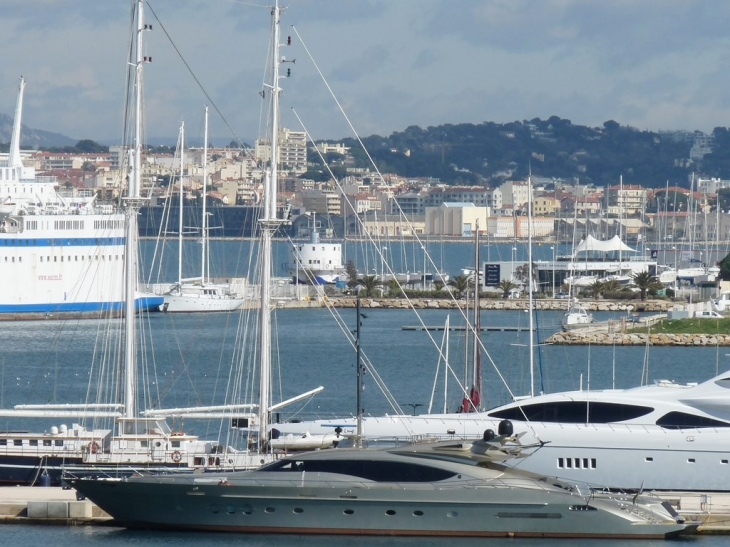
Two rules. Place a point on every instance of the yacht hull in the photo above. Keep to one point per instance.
(328, 509)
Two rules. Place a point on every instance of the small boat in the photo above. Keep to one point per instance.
(450, 489)
(317, 262)
(576, 316)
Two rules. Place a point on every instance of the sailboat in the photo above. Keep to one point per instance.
(193, 295)
(136, 442)
(447, 489)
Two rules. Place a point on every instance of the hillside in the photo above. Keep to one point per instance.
(31, 138)
(491, 152)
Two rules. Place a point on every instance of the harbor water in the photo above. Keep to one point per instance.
(189, 358)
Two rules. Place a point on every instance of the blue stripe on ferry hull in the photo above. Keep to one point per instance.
(143, 303)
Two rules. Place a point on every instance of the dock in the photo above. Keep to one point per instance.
(462, 327)
(47, 505)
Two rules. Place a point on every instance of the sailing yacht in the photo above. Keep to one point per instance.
(135, 441)
(192, 295)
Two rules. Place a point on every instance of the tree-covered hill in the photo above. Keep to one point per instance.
(490, 152)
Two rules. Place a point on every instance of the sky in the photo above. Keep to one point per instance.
(390, 64)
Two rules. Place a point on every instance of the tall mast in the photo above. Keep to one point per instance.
(180, 216)
(530, 285)
(14, 159)
(133, 204)
(204, 222)
(269, 223)
(476, 391)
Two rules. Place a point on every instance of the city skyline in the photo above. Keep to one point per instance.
(654, 65)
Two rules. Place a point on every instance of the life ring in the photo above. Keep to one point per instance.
(94, 447)
(176, 456)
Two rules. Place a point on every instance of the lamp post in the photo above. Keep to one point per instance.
(552, 283)
(514, 254)
(423, 277)
(382, 264)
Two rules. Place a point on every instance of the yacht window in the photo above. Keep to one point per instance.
(17, 442)
(649, 459)
(175, 444)
(379, 471)
(561, 463)
(574, 412)
(679, 420)
(58, 442)
(691, 460)
(593, 463)
(46, 442)
(3, 442)
(34, 442)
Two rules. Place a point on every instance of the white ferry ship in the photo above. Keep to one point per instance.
(61, 255)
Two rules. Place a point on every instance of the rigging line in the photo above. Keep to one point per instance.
(379, 251)
(197, 81)
(417, 239)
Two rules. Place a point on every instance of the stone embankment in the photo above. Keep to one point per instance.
(650, 306)
(598, 338)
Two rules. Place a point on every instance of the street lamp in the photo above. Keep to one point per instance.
(552, 283)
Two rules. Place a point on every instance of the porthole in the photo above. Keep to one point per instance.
(247, 510)
(213, 508)
(230, 510)
(417, 513)
(390, 512)
(452, 514)
(269, 509)
(349, 512)
(298, 510)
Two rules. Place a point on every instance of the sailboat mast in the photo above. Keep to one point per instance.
(15, 160)
(133, 204)
(180, 217)
(204, 221)
(268, 223)
(476, 394)
(530, 283)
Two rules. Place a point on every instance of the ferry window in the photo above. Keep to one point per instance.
(46, 442)
(723, 462)
(144, 444)
(585, 463)
(649, 459)
(679, 420)
(58, 442)
(41, 259)
(3, 442)
(17, 442)
(577, 463)
(20, 259)
(593, 463)
(561, 463)
(691, 460)
(569, 462)
(175, 444)
(34, 442)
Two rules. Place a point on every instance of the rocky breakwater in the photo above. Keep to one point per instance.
(598, 338)
(649, 306)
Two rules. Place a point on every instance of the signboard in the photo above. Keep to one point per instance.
(491, 275)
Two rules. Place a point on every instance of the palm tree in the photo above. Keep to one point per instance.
(506, 285)
(438, 285)
(394, 288)
(352, 280)
(461, 284)
(597, 288)
(369, 284)
(610, 286)
(644, 281)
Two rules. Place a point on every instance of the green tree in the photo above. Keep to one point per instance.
(369, 284)
(460, 284)
(597, 288)
(351, 269)
(506, 285)
(438, 285)
(394, 288)
(643, 280)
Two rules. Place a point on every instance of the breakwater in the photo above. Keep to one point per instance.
(517, 304)
(602, 338)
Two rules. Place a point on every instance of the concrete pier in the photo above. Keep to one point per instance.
(51, 505)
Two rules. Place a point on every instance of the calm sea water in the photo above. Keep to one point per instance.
(189, 358)
(83, 536)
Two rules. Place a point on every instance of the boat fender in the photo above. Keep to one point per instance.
(488, 435)
(505, 428)
(176, 456)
